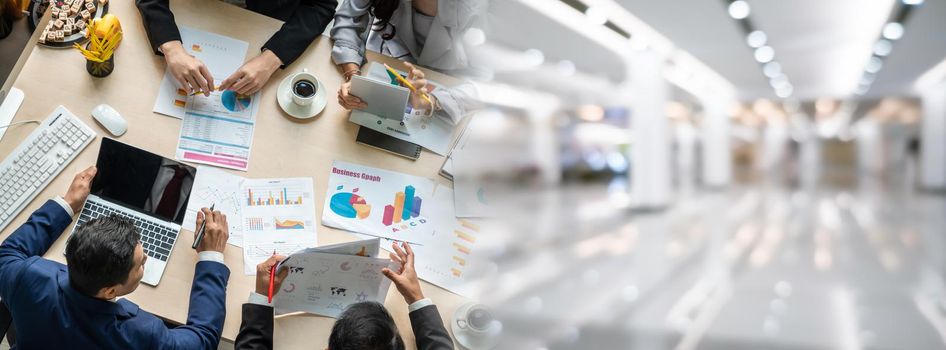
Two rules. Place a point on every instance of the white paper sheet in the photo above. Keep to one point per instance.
(327, 283)
(260, 246)
(377, 202)
(432, 133)
(222, 55)
(366, 247)
(218, 129)
(450, 255)
(278, 215)
(221, 189)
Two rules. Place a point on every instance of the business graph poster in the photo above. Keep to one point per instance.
(377, 202)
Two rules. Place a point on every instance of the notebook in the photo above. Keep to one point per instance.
(371, 138)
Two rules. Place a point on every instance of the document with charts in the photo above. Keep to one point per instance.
(325, 283)
(278, 216)
(377, 202)
(450, 254)
(222, 55)
(218, 130)
(264, 215)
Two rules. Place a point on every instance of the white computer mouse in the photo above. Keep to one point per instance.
(109, 118)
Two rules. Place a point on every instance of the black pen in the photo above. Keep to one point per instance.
(200, 231)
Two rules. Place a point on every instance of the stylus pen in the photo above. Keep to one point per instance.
(200, 231)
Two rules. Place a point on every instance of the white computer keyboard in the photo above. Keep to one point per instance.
(38, 159)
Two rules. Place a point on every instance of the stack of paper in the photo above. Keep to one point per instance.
(264, 215)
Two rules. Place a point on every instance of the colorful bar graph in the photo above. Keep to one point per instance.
(465, 236)
(406, 206)
(408, 203)
(460, 260)
(282, 198)
(254, 224)
(398, 206)
(388, 215)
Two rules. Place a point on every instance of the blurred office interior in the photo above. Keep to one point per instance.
(716, 174)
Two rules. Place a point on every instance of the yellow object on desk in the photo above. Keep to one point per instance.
(408, 84)
(104, 36)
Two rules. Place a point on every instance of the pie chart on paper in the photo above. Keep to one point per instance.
(350, 205)
(234, 102)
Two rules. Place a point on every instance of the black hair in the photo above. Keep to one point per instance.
(101, 253)
(365, 326)
(382, 10)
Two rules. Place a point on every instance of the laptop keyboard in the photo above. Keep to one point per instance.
(156, 240)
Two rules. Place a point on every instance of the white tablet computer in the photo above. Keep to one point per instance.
(383, 99)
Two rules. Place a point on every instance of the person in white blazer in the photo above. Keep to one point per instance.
(423, 32)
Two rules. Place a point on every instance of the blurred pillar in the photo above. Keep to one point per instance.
(686, 139)
(933, 139)
(650, 149)
(717, 157)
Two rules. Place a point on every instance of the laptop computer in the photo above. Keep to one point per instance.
(146, 188)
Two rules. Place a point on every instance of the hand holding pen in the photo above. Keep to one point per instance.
(212, 232)
(268, 279)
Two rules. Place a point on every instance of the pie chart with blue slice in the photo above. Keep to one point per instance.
(234, 102)
(349, 205)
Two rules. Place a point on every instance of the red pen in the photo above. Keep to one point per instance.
(272, 276)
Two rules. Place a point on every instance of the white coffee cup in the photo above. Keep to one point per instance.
(303, 88)
(477, 320)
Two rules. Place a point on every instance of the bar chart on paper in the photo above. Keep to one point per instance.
(405, 206)
(279, 216)
(276, 194)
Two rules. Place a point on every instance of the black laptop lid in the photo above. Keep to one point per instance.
(143, 181)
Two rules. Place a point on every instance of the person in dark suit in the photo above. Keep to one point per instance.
(305, 20)
(363, 326)
(78, 307)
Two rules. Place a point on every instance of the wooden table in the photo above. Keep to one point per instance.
(283, 148)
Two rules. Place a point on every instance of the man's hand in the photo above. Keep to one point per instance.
(347, 100)
(418, 80)
(216, 232)
(406, 278)
(79, 189)
(262, 275)
(189, 71)
(253, 75)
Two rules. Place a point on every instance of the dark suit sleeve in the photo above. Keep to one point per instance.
(159, 22)
(256, 330)
(307, 22)
(32, 239)
(429, 331)
(208, 309)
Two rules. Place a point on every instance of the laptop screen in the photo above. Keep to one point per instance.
(143, 181)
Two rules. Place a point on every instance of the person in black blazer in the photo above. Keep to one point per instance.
(365, 325)
(305, 20)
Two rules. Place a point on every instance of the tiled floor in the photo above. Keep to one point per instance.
(747, 268)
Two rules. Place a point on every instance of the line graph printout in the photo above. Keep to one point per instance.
(221, 189)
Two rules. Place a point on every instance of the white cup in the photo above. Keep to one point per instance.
(479, 322)
(304, 76)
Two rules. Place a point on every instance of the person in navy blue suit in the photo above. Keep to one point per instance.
(77, 307)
